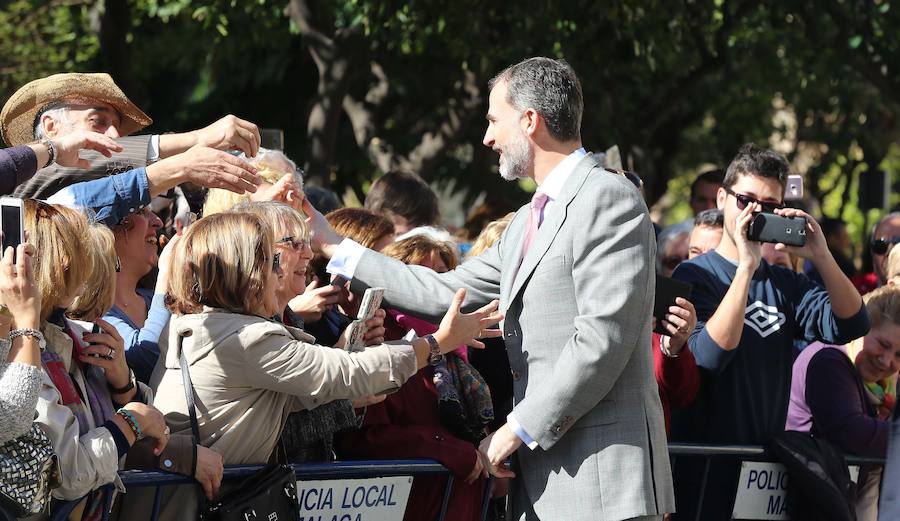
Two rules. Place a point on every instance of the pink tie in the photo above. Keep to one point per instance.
(534, 220)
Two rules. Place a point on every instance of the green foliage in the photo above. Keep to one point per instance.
(677, 85)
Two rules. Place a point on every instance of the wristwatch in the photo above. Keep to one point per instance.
(132, 382)
(434, 356)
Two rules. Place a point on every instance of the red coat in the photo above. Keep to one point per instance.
(406, 425)
(678, 378)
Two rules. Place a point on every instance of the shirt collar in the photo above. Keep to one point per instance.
(556, 179)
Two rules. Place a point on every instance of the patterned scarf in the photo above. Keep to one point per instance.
(464, 400)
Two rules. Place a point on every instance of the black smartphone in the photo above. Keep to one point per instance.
(667, 290)
(770, 227)
(12, 222)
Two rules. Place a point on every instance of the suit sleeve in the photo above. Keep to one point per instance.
(613, 251)
(421, 292)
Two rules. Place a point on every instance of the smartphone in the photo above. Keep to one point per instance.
(12, 222)
(793, 191)
(667, 290)
(371, 301)
(770, 227)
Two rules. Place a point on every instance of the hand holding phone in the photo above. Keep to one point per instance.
(667, 291)
(371, 301)
(12, 222)
(770, 227)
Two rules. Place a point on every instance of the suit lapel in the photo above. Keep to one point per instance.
(549, 228)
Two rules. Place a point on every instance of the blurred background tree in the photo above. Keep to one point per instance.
(363, 86)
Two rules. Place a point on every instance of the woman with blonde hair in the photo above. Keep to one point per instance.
(845, 394)
(250, 372)
(90, 408)
(279, 183)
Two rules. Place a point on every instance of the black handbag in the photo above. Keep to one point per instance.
(28, 471)
(820, 486)
(270, 493)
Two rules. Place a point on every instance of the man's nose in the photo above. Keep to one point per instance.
(488, 139)
(112, 131)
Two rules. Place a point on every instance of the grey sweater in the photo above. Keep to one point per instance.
(19, 386)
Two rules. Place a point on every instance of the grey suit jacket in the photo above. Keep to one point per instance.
(48, 181)
(577, 330)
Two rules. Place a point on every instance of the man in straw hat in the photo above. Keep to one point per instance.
(51, 107)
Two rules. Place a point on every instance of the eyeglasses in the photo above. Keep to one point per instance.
(881, 245)
(276, 263)
(744, 200)
(672, 261)
(297, 245)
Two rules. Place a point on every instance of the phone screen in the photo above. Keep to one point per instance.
(11, 221)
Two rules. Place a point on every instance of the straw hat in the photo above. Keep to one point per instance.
(17, 117)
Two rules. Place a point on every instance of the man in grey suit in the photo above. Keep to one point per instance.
(574, 275)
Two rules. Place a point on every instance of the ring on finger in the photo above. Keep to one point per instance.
(111, 354)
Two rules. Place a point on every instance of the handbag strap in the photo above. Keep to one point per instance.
(192, 413)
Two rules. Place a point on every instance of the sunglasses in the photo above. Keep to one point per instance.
(881, 245)
(744, 200)
(296, 245)
(276, 263)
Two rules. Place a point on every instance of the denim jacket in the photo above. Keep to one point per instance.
(111, 198)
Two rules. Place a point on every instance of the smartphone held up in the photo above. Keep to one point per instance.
(12, 222)
(771, 227)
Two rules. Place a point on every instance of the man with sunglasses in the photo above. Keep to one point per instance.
(748, 315)
(884, 236)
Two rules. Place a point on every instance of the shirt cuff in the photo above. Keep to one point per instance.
(345, 259)
(118, 436)
(520, 432)
(153, 149)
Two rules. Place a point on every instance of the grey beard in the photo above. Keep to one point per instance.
(517, 156)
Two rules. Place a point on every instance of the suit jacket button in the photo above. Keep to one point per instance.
(516, 375)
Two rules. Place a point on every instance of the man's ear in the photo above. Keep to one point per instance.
(721, 196)
(49, 126)
(530, 122)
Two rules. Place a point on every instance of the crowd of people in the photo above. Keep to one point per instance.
(530, 339)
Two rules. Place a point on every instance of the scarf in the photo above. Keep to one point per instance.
(881, 394)
(464, 400)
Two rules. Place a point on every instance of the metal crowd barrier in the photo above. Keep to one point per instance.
(309, 471)
(383, 468)
(736, 453)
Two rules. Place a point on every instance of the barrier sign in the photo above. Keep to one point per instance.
(761, 491)
(375, 499)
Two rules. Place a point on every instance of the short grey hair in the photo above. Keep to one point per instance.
(711, 218)
(551, 88)
(59, 111)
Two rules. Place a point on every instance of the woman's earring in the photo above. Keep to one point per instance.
(118, 265)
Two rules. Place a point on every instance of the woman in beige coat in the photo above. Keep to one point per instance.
(250, 372)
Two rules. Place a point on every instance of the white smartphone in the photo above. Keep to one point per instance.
(793, 191)
(12, 222)
(371, 301)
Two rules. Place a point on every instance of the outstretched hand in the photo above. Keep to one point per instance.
(69, 145)
(459, 328)
(324, 239)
